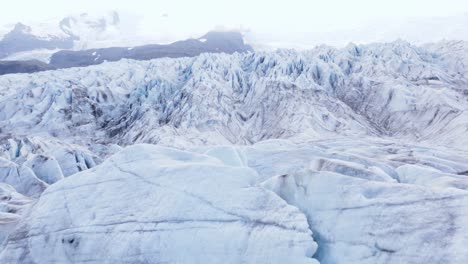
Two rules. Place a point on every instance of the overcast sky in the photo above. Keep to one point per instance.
(272, 17)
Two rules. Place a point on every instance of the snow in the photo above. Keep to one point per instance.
(4, 29)
(43, 55)
(202, 40)
(48, 30)
(85, 31)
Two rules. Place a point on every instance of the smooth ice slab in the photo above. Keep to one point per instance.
(151, 204)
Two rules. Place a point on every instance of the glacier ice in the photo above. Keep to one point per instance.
(150, 204)
(21, 177)
(358, 221)
(13, 206)
(353, 155)
(388, 90)
(215, 194)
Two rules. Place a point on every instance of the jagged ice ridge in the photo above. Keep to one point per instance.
(354, 155)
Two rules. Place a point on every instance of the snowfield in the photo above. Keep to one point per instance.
(354, 155)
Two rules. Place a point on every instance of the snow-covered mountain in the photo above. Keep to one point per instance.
(211, 42)
(353, 155)
(72, 32)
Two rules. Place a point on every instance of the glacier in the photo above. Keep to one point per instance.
(233, 222)
(352, 155)
(390, 90)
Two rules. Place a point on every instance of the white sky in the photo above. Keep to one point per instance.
(268, 18)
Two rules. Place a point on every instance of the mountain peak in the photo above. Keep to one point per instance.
(228, 40)
(21, 28)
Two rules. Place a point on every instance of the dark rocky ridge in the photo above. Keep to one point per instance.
(212, 42)
(30, 66)
(227, 42)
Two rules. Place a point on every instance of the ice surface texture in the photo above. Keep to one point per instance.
(356, 155)
(151, 204)
(392, 90)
